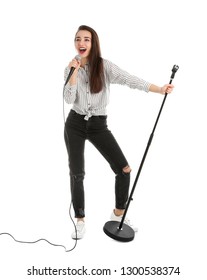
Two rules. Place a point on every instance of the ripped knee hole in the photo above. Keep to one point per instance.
(127, 169)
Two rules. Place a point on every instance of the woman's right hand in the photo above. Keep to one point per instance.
(74, 63)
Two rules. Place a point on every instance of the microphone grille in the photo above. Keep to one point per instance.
(78, 57)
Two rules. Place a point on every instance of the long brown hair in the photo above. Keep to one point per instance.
(96, 69)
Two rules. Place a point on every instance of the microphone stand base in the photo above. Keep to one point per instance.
(125, 234)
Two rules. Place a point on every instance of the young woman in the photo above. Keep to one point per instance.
(88, 91)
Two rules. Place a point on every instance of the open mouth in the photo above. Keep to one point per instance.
(82, 50)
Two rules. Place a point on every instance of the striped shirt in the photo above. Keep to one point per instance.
(94, 104)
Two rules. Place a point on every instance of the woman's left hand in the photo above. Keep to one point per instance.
(168, 88)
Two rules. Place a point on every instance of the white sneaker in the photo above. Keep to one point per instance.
(80, 230)
(126, 221)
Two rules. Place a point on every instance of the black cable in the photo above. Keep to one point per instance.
(43, 239)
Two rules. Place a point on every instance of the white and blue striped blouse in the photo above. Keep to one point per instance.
(90, 104)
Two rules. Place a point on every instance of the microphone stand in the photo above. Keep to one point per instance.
(119, 230)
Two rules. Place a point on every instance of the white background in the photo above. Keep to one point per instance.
(146, 38)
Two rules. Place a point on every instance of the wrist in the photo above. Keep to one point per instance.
(156, 89)
(73, 80)
(160, 90)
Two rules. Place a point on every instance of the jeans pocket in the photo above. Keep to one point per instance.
(104, 117)
(72, 113)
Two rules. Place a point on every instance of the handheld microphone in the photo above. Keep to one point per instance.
(77, 57)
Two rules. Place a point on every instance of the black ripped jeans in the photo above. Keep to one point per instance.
(77, 131)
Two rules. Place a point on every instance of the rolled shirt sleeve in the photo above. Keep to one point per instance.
(118, 76)
(69, 91)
